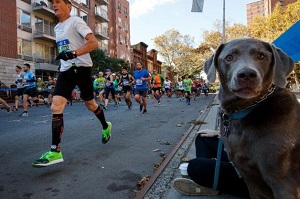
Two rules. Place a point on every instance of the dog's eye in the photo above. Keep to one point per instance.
(260, 56)
(229, 58)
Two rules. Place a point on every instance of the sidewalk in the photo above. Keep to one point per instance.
(162, 188)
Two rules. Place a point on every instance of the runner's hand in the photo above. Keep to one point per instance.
(65, 55)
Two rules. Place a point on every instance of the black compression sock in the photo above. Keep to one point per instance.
(100, 115)
(57, 130)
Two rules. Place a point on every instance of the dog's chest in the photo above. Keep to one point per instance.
(239, 144)
(240, 154)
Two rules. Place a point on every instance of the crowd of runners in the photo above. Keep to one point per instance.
(116, 86)
(109, 86)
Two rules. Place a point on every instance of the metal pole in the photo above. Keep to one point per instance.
(220, 144)
(223, 32)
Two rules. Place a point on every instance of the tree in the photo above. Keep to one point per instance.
(101, 61)
(213, 39)
(115, 64)
(177, 52)
(98, 58)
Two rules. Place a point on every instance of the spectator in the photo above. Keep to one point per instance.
(201, 170)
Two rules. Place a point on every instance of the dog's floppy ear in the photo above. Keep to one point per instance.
(210, 69)
(211, 64)
(283, 64)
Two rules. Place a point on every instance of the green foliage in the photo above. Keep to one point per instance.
(101, 62)
(177, 52)
(98, 58)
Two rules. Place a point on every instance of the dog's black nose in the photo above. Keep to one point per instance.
(247, 74)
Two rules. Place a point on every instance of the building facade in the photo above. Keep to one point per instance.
(264, 8)
(149, 60)
(27, 33)
(119, 29)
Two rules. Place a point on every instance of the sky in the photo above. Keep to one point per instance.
(151, 18)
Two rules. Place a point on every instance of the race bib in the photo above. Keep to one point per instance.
(139, 82)
(125, 83)
(63, 45)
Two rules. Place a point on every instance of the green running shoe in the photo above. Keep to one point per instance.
(106, 133)
(48, 158)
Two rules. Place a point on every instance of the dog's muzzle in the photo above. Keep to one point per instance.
(246, 83)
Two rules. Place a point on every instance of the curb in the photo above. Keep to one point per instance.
(159, 183)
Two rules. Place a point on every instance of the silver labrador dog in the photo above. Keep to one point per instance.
(260, 121)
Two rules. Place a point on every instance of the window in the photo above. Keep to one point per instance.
(120, 22)
(125, 12)
(84, 16)
(120, 38)
(49, 28)
(126, 27)
(23, 18)
(24, 47)
(39, 25)
(42, 51)
(100, 11)
(126, 42)
(119, 6)
(74, 11)
(44, 26)
(85, 3)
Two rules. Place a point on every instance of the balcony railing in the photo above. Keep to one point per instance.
(44, 59)
(44, 7)
(25, 26)
(101, 14)
(101, 31)
(38, 58)
(44, 31)
(102, 2)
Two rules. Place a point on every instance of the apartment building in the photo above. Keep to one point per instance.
(264, 8)
(119, 29)
(27, 33)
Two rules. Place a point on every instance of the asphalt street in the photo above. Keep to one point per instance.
(91, 169)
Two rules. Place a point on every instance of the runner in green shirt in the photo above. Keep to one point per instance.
(117, 83)
(99, 86)
(187, 86)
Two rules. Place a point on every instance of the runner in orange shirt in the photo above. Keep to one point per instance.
(157, 82)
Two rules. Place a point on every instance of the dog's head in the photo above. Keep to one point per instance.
(248, 67)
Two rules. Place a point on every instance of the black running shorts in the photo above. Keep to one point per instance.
(67, 80)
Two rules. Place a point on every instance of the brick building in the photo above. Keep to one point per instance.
(149, 60)
(119, 29)
(264, 8)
